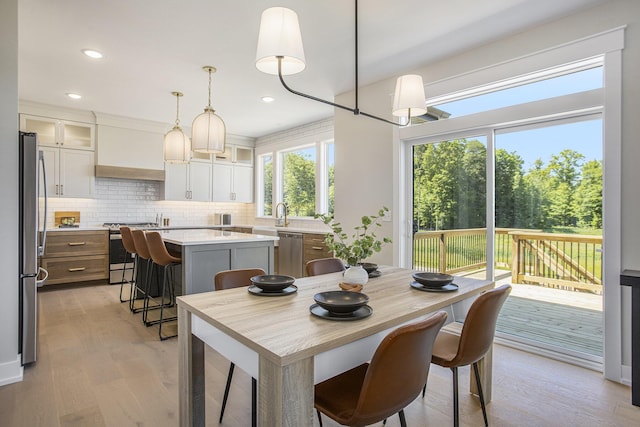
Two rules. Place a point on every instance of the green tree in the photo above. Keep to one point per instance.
(299, 184)
(587, 200)
(564, 173)
(508, 179)
(268, 186)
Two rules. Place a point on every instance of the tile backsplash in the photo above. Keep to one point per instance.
(123, 200)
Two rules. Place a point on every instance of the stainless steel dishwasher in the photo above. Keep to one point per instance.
(290, 254)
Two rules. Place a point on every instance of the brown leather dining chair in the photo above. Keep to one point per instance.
(161, 256)
(230, 279)
(374, 391)
(315, 267)
(452, 351)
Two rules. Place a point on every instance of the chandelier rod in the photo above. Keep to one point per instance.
(355, 110)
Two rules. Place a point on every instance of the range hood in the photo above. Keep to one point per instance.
(103, 171)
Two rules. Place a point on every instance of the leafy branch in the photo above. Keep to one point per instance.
(364, 241)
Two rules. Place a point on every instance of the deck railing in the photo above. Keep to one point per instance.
(569, 261)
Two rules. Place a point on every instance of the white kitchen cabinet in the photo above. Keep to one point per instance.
(232, 183)
(190, 181)
(235, 154)
(60, 133)
(233, 174)
(69, 173)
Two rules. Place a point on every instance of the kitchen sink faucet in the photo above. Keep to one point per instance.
(281, 221)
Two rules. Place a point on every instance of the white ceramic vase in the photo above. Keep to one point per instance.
(356, 275)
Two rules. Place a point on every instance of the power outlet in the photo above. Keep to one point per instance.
(387, 216)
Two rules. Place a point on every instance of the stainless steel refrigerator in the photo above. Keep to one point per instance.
(31, 243)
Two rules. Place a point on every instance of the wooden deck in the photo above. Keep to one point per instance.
(570, 320)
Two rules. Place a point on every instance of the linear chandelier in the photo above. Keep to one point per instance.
(280, 52)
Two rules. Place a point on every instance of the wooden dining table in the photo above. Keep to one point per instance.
(278, 341)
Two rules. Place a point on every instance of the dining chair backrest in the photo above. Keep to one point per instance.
(397, 371)
(319, 266)
(158, 251)
(479, 326)
(127, 240)
(229, 279)
(140, 243)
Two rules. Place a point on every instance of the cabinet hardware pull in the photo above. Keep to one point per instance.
(317, 248)
(77, 269)
(77, 243)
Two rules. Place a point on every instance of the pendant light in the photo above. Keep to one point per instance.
(177, 147)
(208, 132)
(280, 52)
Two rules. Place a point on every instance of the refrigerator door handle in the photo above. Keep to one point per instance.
(44, 223)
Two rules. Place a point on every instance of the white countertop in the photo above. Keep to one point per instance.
(207, 237)
(81, 228)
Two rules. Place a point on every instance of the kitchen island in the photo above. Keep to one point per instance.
(206, 252)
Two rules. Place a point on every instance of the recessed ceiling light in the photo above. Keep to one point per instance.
(92, 53)
(268, 99)
(74, 95)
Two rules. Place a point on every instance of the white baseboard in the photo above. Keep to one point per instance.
(11, 372)
(625, 374)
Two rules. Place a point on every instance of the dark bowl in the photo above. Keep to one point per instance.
(369, 267)
(433, 280)
(272, 282)
(341, 302)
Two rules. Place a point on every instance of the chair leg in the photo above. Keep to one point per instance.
(424, 390)
(226, 390)
(319, 417)
(166, 283)
(254, 402)
(403, 421)
(456, 420)
(124, 263)
(480, 394)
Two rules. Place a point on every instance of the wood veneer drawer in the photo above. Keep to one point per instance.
(72, 243)
(76, 269)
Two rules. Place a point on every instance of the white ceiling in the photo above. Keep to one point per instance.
(154, 47)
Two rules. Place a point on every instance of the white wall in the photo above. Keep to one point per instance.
(10, 370)
(365, 148)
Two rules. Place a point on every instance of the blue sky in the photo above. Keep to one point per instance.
(584, 137)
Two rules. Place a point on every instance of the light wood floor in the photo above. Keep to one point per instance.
(99, 366)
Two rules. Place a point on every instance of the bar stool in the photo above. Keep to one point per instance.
(130, 249)
(230, 279)
(141, 287)
(161, 256)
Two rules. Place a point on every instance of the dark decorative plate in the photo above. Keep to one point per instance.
(253, 289)
(361, 313)
(272, 282)
(432, 280)
(375, 274)
(446, 288)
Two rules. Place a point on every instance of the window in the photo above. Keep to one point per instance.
(572, 78)
(266, 190)
(301, 176)
(299, 181)
(329, 177)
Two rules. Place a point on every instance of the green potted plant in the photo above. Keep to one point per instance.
(357, 247)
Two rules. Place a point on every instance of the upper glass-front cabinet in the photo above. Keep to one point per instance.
(59, 133)
(236, 154)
